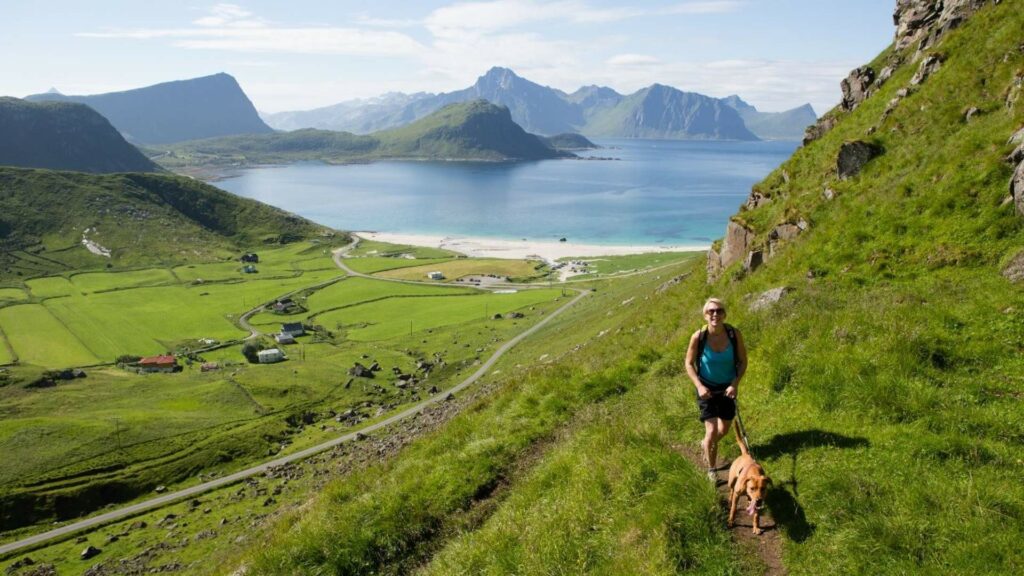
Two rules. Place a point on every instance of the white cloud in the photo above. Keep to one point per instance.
(629, 60)
(231, 28)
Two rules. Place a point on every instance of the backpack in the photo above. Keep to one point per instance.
(702, 341)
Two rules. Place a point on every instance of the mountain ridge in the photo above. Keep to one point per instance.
(175, 111)
(539, 109)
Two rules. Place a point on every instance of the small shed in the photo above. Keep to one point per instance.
(293, 329)
(165, 363)
(284, 338)
(435, 275)
(270, 356)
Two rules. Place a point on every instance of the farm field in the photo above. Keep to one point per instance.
(604, 265)
(513, 269)
(39, 338)
(351, 291)
(374, 264)
(376, 248)
(5, 354)
(50, 286)
(91, 282)
(12, 295)
(284, 261)
(390, 318)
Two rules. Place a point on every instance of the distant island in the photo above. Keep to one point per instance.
(477, 130)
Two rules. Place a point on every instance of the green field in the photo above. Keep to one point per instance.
(352, 291)
(12, 295)
(453, 269)
(616, 264)
(283, 261)
(104, 281)
(375, 248)
(40, 338)
(50, 287)
(374, 264)
(392, 318)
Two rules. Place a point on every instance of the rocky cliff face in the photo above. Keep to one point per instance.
(927, 20)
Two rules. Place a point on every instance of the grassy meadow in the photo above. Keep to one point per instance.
(452, 270)
(606, 265)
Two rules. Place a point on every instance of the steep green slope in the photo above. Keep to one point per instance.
(50, 220)
(64, 136)
(883, 395)
(474, 130)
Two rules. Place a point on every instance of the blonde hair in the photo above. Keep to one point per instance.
(713, 301)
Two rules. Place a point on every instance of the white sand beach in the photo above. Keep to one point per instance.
(516, 249)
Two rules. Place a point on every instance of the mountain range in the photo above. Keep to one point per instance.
(203, 107)
(64, 136)
(654, 112)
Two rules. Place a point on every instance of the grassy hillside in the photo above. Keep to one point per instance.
(883, 395)
(64, 136)
(475, 130)
(46, 217)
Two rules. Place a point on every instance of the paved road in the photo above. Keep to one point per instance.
(159, 501)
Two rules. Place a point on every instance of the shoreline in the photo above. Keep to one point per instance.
(550, 251)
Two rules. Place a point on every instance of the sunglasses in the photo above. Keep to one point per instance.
(713, 311)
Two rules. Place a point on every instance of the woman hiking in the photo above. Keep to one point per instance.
(715, 362)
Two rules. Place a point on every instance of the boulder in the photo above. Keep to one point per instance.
(375, 367)
(89, 552)
(928, 20)
(1014, 271)
(360, 371)
(736, 244)
(1017, 188)
(756, 199)
(819, 129)
(829, 193)
(768, 298)
(1017, 138)
(753, 261)
(885, 74)
(970, 113)
(1017, 156)
(929, 66)
(786, 231)
(856, 87)
(853, 156)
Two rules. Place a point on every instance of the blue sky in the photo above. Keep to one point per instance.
(297, 55)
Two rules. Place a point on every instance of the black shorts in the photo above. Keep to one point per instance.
(718, 406)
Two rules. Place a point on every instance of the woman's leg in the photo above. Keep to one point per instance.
(710, 442)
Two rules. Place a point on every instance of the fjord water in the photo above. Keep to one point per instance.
(665, 192)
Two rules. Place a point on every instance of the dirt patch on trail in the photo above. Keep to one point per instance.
(759, 553)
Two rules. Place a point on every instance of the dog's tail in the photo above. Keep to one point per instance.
(739, 440)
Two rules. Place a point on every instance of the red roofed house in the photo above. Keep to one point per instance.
(158, 364)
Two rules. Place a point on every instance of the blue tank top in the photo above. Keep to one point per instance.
(717, 369)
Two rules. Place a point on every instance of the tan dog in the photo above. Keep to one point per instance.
(747, 477)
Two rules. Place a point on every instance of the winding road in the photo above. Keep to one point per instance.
(134, 509)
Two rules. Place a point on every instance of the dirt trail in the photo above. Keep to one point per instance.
(761, 554)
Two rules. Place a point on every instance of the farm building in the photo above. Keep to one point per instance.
(270, 356)
(164, 363)
(284, 338)
(250, 257)
(436, 275)
(293, 329)
(209, 366)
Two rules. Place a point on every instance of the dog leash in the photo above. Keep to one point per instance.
(742, 429)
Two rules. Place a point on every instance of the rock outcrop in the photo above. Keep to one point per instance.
(853, 156)
(857, 87)
(768, 298)
(928, 66)
(1014, 271)
(927, 20)
(735, 248)
(1017, 188)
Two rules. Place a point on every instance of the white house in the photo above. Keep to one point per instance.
(270, 356)
(284, 338)
(436, 275)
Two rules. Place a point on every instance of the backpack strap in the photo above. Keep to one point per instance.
(702, 341)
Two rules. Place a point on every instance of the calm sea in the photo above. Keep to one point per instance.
(655, 192)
